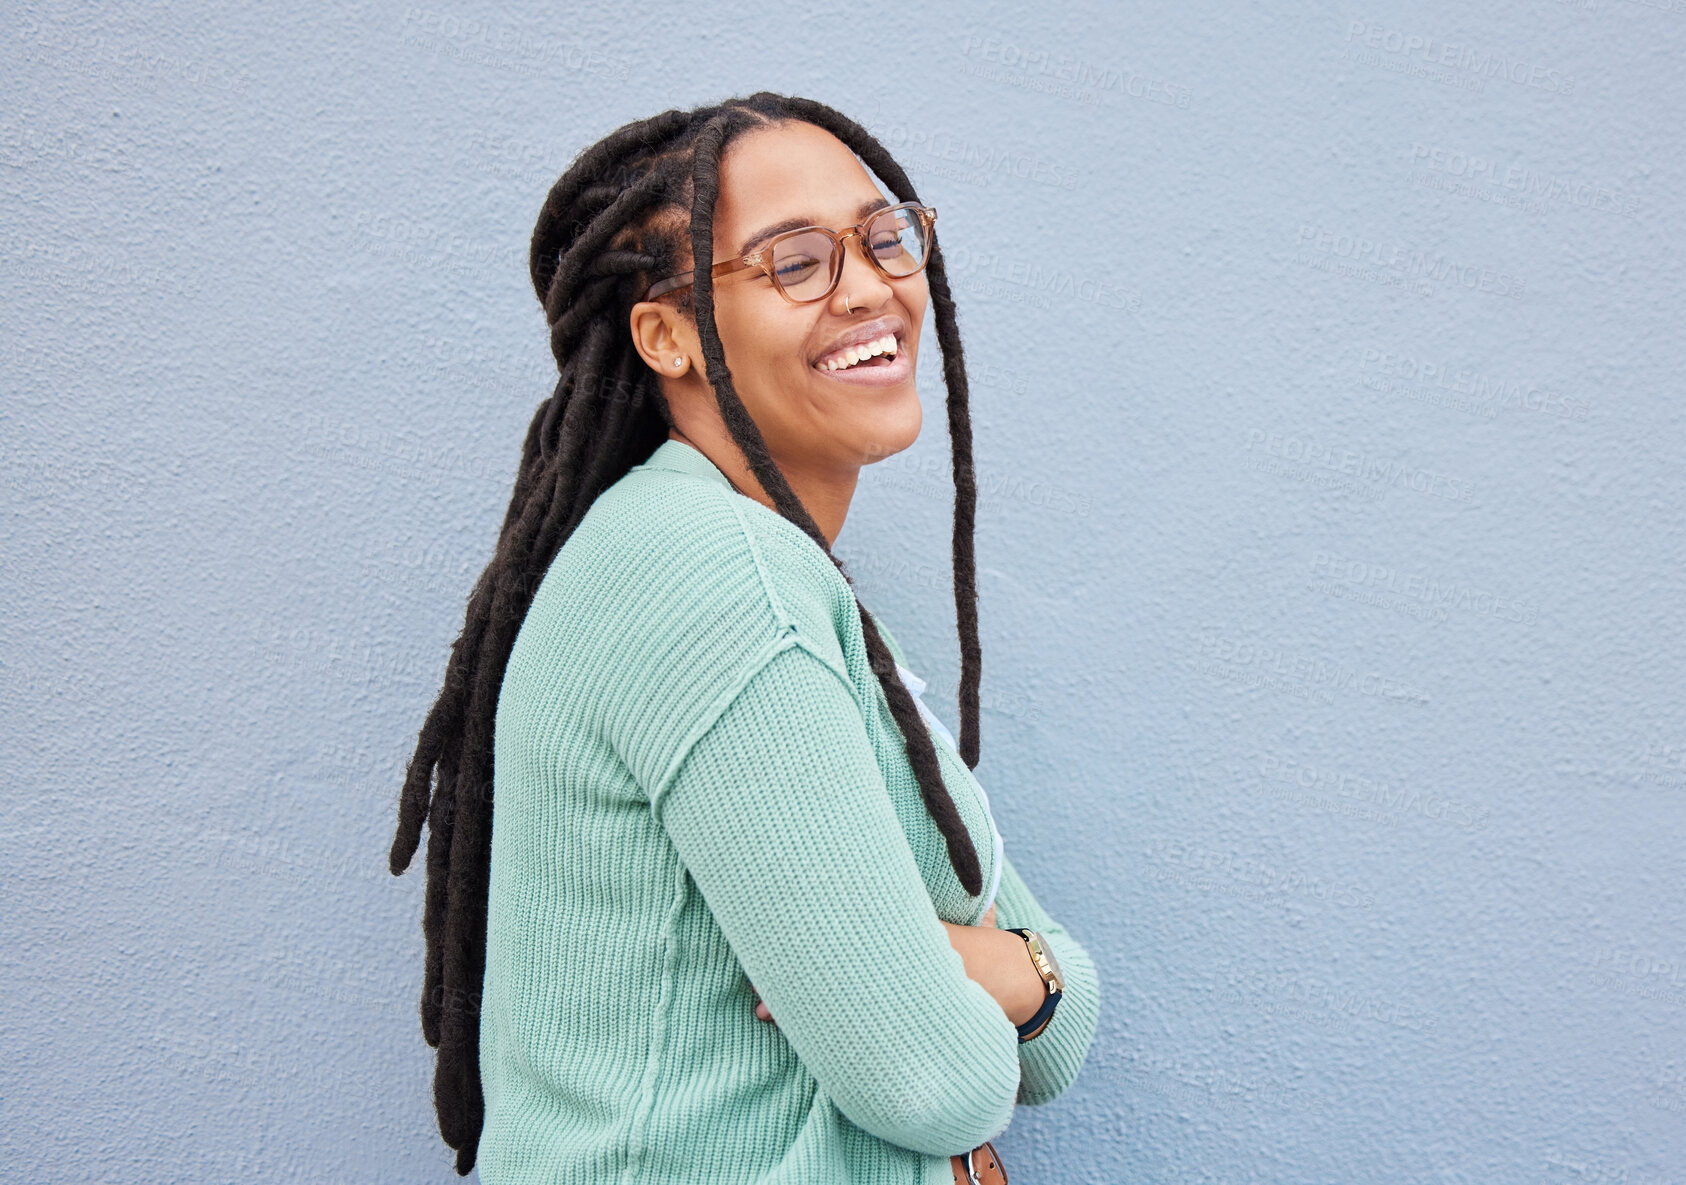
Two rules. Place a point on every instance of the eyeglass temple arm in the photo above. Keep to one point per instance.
(686, 279)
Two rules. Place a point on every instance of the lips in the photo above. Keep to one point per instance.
(884, 370)
(861, 354)
(873, 353)
(859, 339)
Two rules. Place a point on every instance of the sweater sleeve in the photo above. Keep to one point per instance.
(1050, 1060)
(780, 815)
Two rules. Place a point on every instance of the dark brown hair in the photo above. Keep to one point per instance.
(633, 208)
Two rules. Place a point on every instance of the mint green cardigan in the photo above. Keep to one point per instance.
(698, 787)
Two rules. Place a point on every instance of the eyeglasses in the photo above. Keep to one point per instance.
(805, 264)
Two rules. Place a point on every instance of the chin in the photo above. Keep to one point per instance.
(894, 428)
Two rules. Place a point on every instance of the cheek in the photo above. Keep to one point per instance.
(917, 297)
(763, 348)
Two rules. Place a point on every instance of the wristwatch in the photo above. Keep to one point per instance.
(1048, 967)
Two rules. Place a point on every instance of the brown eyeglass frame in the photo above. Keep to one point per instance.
(762, 258)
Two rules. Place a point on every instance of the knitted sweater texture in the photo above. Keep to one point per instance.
(699, 787)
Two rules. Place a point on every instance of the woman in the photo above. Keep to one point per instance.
(721, 910)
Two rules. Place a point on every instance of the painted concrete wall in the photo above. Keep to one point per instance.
(1326, 372)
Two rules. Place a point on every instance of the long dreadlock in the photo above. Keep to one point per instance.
(610, 226)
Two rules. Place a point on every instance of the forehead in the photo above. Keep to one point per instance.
(789, 170)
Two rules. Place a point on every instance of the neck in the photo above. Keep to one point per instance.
(825, 492)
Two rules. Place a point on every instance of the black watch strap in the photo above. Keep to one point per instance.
(1037, 1023)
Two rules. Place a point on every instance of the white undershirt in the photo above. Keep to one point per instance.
(917, 685)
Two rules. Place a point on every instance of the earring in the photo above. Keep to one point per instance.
(679, 361)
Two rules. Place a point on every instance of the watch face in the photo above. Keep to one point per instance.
(1039, 946)
(1054, 965)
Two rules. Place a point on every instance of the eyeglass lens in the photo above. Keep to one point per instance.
(805, 264)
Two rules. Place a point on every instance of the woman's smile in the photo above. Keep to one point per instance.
(883, 371)
(889, 364)
(874, 354)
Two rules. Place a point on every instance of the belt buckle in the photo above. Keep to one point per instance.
(973, 1175)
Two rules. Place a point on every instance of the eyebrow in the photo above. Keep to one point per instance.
(778, 228)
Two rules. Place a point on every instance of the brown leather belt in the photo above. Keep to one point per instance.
(985, 1169)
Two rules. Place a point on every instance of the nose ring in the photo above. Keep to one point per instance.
(846, 302)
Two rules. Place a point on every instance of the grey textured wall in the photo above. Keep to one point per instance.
(1326, 369)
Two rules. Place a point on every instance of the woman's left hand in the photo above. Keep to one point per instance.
(761, 1010)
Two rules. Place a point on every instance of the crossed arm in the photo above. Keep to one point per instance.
(804, 866)
(995, 960)
(1050, 1061)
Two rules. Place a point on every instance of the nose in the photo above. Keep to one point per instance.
(861, 286)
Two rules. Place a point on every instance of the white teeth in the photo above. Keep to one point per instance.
(857, 354)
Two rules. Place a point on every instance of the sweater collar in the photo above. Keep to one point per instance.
(679, 457)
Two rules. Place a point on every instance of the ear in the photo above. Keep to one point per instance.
(661, 335)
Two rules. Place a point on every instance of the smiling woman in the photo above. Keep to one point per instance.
(676, 768)
(794, 320)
